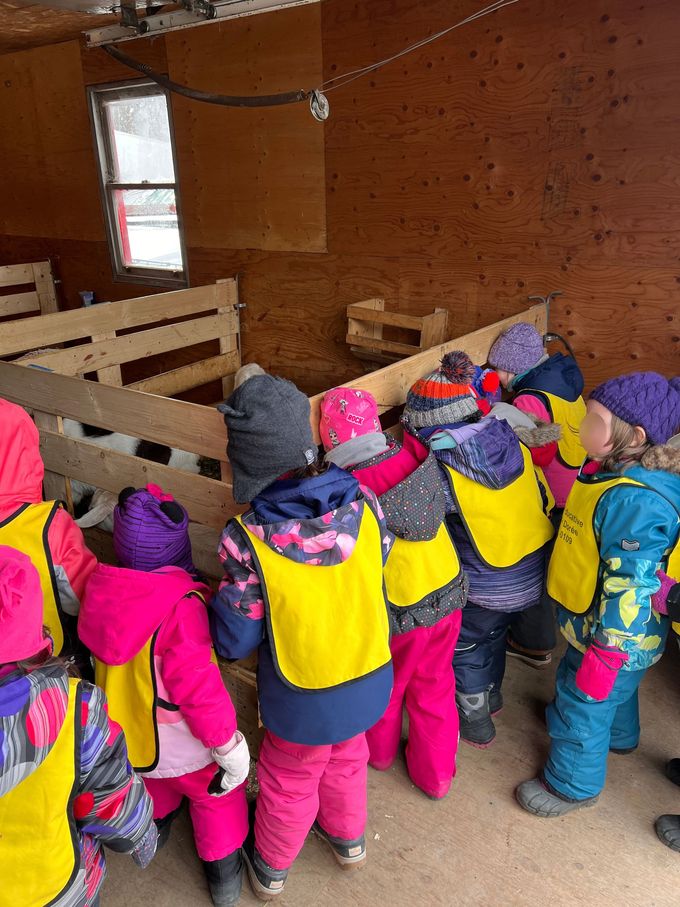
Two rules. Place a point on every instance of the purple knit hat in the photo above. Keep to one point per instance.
(151, 530)
(644, 398)
(518, 349)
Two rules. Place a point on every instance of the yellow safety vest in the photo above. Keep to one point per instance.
(39, 849)
(26, 530)
(415, 570)
(504, 525)
(133, 702)
(568, 415)
(574, 567)
(327, 626)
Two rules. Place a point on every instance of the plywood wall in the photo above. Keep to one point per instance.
(535, 150)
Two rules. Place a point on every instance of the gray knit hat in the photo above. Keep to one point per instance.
(269, 434)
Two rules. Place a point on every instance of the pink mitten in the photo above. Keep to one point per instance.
(659, 599)
(597, 672)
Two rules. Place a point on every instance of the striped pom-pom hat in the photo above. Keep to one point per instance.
(445, 396)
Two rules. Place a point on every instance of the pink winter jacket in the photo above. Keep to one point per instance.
(120, 612)
(21, 477)
(558, 476)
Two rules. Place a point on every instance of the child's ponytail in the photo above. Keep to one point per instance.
(623, 451)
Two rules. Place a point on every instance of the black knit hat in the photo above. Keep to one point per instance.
(269, 434)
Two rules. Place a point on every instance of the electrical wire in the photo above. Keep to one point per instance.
(316, 96)
(265, 100)
(347, 77)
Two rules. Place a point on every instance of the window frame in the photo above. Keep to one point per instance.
(150, 276)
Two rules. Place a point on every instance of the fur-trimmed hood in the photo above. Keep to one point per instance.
(664, 457)
(532, 431)
(541, 434)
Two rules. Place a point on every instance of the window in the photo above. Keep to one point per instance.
(139, 183)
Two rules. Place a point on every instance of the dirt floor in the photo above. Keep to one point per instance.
(477, 847)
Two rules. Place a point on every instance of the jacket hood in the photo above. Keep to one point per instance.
(305, 499)
(313, 521)
(490, 455)
(558, 375)
(541, 434)
(21, 467)
(663, 457)
(123, 608)
(43, 692)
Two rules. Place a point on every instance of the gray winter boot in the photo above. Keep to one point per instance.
(476, 726)
(539, 799)
(668, 831)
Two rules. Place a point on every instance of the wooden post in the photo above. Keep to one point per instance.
(56, 487)
(44, 287)
(112, 373)
(227, 345)
(433, 331)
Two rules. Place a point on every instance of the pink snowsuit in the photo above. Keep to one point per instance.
(424, 637)
(120, 612)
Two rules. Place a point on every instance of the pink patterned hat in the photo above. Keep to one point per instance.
(347, 413)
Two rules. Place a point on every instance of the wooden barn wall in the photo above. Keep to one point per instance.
(537, 149)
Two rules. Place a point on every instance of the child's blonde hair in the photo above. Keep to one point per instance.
(624, 450)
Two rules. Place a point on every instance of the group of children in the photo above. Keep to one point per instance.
(389, 574)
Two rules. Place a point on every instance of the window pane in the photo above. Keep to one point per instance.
(149, 232)
(140, 140)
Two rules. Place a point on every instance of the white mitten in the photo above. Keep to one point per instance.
(234, 760)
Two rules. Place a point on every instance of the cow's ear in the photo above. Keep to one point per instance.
(173, 511)
(125, 494)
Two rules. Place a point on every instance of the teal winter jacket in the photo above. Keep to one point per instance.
(648, 519)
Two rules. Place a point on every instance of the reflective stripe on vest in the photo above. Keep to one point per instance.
(133, 701)
(415, 570)
(326, 626)
(574, 567)
(26, 530)
(39, 850)
(568, 415)
(504, 525)
(549, 496)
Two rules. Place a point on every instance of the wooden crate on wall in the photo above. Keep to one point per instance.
(366, 322)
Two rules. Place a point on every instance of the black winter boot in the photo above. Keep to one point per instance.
(164, 825)
(225, 878)
(495, 700)
(476, 726)
(265, 881)
(673, 771)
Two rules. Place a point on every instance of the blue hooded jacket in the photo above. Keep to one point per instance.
(558, 375)
(301, 519)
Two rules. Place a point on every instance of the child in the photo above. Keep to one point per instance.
(620, 526)
(547, 388)
(303, 584)
(426, 587)
(66, 786)
(498, 524)
(667, 601)
(42, 530)
(147, 626)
